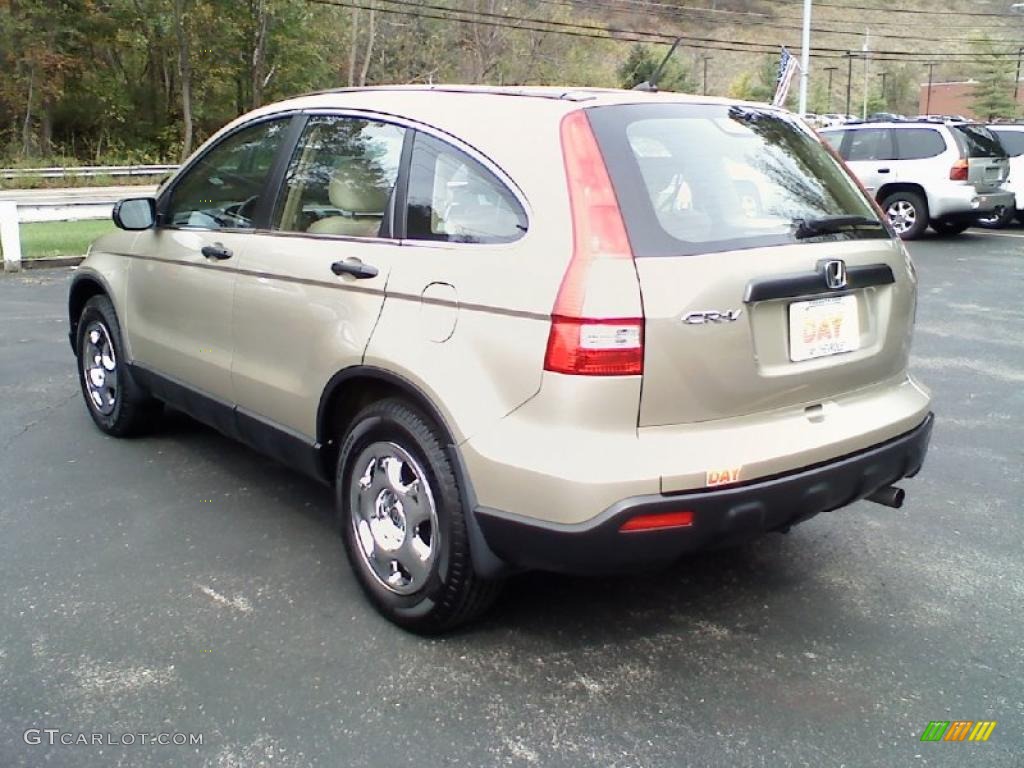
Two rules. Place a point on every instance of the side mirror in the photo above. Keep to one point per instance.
(135, 213)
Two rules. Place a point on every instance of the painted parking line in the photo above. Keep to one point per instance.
(997, 234)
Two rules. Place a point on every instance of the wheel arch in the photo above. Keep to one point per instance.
(350, 390)
(901, 186)
(84, 286)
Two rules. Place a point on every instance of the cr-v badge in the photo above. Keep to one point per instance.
(710, 316)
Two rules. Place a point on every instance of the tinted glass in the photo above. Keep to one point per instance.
(454, 198)
(918, 143)
(704, 178)
(869, 144)
(1012, 141)
(834, 138)
(223, 188)
(341, 178)
(978, 141)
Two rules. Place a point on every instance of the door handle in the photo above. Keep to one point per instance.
(883, 170)
(354, 267)
(216, 251)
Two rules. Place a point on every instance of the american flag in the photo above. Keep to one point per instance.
(788, 66)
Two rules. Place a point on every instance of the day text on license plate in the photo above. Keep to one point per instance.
(823, 327)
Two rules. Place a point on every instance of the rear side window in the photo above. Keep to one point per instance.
(1012, 141)
(454, 198)
(870, 144)
(704, 178)
(340, 178)
(977, 141)
(918, 143)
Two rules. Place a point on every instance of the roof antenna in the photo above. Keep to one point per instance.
(651, 84)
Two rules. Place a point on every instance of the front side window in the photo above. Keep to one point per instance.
(223, 188)
(869, 144)
(706, 178)
(341, 178)
(918, 143)
(454, 198)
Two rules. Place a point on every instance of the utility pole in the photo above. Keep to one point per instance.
(1016, 83)
(928, 100)
(849, 79)
(831, 71)
(805, 57)
(885, 100)
(867, 46)
(706, 60)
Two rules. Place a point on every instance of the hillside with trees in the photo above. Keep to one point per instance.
(147, 80)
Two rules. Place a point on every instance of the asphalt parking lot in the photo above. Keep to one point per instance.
(182, 583)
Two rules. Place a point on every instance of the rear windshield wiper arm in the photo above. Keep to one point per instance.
(828, 225)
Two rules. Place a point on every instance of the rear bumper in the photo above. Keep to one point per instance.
(724, 516)
(964, 202)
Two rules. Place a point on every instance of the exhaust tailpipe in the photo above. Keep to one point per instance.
(889, 496)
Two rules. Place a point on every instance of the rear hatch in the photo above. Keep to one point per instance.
(988, 165)
(740, 314)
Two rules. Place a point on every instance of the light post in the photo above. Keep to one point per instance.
(928, 101)
(849, 81)
(805, 57)
(706, 60)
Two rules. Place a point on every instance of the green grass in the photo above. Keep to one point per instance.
(61, 238)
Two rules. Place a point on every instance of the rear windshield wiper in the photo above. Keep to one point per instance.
(828, 225)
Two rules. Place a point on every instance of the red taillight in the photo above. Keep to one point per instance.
(595, 346)
(959, 171)
(658, 522)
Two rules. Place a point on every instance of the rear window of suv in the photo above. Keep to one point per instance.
(698, 178)
(977, 141)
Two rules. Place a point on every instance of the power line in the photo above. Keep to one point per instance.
(687, 12)
(891, 9)
(500, 20)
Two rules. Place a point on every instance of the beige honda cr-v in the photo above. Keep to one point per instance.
(575, 330)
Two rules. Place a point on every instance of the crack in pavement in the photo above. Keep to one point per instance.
(44, 413)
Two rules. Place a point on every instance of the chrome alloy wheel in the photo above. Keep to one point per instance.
(902, 215)
(99, 368)
(393, 517)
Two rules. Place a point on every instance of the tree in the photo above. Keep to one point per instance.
(993, 95)
(641, 64)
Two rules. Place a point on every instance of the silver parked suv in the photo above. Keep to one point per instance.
(948, 175)
(576, 330)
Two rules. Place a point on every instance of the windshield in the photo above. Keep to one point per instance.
(705, 178)
(977, 141)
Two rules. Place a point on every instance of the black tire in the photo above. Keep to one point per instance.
(950, 228)
(905, 228)
(121, 408)
(443, 589)
(1000, 221)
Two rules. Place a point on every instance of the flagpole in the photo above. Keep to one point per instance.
(805, 57)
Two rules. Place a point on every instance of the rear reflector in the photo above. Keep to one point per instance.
(658, 521)
(592, 346)
(959, 171)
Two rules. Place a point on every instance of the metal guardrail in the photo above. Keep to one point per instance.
(12, 214)
(85, 171)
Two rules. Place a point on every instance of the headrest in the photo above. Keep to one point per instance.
(358, 187)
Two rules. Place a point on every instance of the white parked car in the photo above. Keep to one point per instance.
(947, 175)
(1012, 139)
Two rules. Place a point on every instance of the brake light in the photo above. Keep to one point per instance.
(658, 522)
(578, 344)
(959, 171)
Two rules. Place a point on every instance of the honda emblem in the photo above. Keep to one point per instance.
(835, 274)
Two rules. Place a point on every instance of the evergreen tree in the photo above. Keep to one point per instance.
(993, 95)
